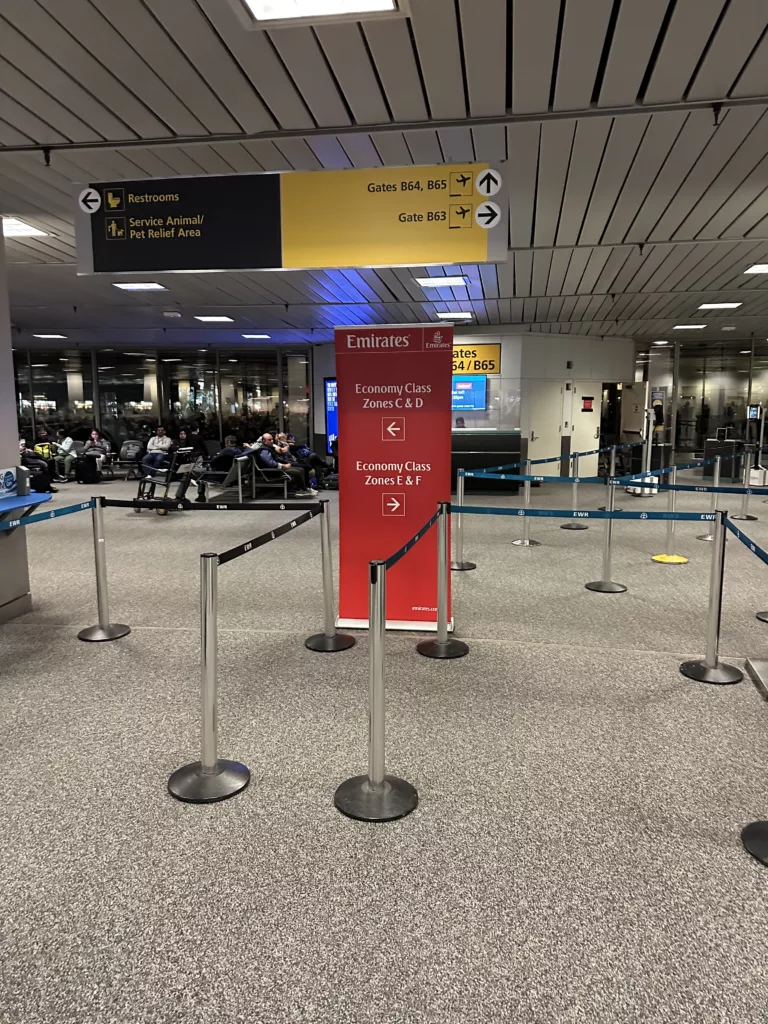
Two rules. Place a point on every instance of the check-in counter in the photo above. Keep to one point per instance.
(480, 449)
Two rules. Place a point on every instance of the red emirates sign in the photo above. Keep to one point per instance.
(394, 388)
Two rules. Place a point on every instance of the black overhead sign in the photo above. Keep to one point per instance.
(205, 223)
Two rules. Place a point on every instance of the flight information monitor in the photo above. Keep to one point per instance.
(470, 394)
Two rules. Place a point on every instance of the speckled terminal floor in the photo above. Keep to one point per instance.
(575, 856)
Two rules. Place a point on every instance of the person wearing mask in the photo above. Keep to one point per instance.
(97, 447)
(269, 456)
(158, 448)
(63, 453)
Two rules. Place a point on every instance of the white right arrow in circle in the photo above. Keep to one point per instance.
(487, 215)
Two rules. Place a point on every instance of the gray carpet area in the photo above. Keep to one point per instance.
(575, 856)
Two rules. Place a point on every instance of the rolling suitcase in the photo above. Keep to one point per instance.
(87, 470)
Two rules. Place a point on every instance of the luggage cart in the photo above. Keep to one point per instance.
(156, 487)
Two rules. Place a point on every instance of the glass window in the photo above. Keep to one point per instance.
(127, 394)
(62, 391)
(296, 390)
(249, 393)
(23, 395)
(188, 388)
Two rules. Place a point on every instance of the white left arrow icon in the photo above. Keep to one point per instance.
(393, 429)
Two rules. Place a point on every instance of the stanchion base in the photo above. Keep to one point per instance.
(95, 634)
(521, 542)
(670, 559)
(745, 518)
(723, 675)
(574, 526)
(330, 644)
(193, 787)
(359, 800)
(709, 537)
(755, 840)
(462, 566)
(762, 616)
(449, 649)
(606, 587)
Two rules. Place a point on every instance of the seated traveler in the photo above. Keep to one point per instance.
(221, 463)
(158, 448)
(306, 457)
(39, 476)
(189, 437)
(97, 447)
(270, 456)
(63, 453)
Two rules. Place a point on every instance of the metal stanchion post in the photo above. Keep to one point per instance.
(209, 779)
(104, 630)
(747, 460)
(669, 557)
(239, 480)
(611, 476)
(715, 483)
(711, 669)
(574, 524)
(459, 564)
(328, 641)
(443, 646)
(606, 584)
(376, 796)
(525, 541)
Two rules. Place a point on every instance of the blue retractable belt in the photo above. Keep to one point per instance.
(546, 513)
(39, 517)
(754, 548)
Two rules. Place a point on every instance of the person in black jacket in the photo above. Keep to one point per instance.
(270, 457)
(39, 477)
(221, 463)
(189, 437)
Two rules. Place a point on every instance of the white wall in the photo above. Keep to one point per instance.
(323, 365)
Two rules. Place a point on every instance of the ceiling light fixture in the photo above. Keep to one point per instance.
(757, 268)
(720, 305)
(290, 10)
(727, 328)
(57, 337)
(661, 343)
(689, 327)
(442, 282)
(15, 228)
(745, 351)
(133, 353)
(263, 337)
(139, 286)
(215, 319)
(455, 316)
(170, 360)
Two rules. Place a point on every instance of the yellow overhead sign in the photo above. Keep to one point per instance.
(409, 216)
(471, 358)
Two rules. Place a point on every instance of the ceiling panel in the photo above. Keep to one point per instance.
(523, 149)
(392, 148)
(623, 143)
(636, 33)
(743, 23)
(392, 50)
(534, 38)
(40, 104)
(437, 37)
(554, 159)
(581, 44)
(588, 148)
(484, 33)
(301, 54)
(346, 52)
(689, 30)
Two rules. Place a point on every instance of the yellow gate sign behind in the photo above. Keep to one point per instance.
(409, 216)
(471, 358)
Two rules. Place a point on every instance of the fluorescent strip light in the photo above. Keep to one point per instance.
(689, 327)
(721, 305)
(215, 319)
(661, 343)
(455, 316)
(134, 353)
(263, 337)
(51, 337)
(745, 352)
(757, 268)
(442, 282)
(277, 10)
(727, 328)
(15, 228)
(171, 360)
(140, 286)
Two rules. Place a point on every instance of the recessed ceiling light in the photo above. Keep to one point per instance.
(757, 268)
(233, 360)
(278, 10)
(15, 228)
(727, 328)
(745, 352)
(38, 366)
(720, 305)
(689, 327)
(661, 343)
(455, 316)
(442, 282)
(202, 350)
(58, 337)
(215, 319)
(63, 359)
(170, 360)
(106, 367)
(139, 286)
(133, 353)
(264, 337)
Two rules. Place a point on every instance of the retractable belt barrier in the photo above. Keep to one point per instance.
(747, 542)
(537, 479)
(392, 561)
(7, 525)
(211, 778)
(703, 489)
(556, 458)
(193, 506)
(547, 513)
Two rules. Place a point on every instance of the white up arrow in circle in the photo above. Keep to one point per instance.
(393, 505)
(393, 429)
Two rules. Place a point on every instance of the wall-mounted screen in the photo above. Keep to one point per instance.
(331, 413)
(470, 394)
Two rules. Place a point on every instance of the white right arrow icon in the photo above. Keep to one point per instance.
(393, 429)
(393, 505)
